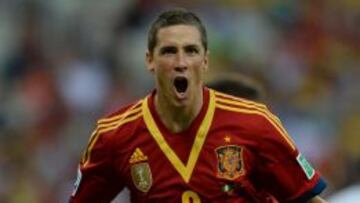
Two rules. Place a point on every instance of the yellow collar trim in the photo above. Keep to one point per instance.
(184, 170)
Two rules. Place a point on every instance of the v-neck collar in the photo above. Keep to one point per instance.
(185, 170)
(194, 124)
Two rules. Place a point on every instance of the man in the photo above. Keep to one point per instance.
(187, 143)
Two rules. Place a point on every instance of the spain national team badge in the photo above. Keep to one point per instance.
(140, 171)
(230, 162)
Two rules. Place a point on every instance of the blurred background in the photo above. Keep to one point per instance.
(65, 63)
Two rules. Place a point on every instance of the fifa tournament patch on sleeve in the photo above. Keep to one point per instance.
(77, 182)
(305, 165)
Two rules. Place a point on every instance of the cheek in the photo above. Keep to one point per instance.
(160, 68)
(163, 65)
(162, 74)
(199, 71)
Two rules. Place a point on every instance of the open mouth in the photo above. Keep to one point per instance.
(181, 84)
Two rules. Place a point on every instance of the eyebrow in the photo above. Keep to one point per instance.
(167, 48)
(173, 48)
(194, 46)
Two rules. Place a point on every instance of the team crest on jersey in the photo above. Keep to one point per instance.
(140, 171)
(230, 162)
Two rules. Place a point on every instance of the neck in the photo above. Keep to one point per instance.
(177, 119)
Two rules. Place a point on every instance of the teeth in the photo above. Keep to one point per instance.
(180, 84)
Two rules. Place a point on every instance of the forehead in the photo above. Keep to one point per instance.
(178, 35)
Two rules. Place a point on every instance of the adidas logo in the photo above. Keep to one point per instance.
(137, 156)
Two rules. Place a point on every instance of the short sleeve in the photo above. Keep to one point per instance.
(96, 181)
(281, 169)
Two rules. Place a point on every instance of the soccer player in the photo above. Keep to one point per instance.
(187, 143)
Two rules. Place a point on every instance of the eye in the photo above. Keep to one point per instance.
(168, 50)
(192, 50)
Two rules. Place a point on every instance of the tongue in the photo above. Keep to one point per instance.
(180, 84)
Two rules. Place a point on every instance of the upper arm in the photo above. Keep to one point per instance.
(96, 181)
(281, 169)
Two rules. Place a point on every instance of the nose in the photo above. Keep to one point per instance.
(181, 62)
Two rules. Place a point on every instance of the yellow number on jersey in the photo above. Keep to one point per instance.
(190, 195)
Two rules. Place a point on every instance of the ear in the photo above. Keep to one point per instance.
(206, 61)
(149, 61)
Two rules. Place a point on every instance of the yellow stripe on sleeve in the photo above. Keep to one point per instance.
(259, 111)
(245, 102)
(134, 108)
(120, 117)
(231, 97)
(103, 129)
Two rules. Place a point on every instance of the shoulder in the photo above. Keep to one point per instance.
(122, 116)
(240, 107)
(111, 129)
(254, 117)
(120, 121)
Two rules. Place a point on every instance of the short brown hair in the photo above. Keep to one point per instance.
(179, 16)
(239, 85)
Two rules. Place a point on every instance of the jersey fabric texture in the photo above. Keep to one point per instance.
(235, 151)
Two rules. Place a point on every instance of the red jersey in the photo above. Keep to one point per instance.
(235, 151)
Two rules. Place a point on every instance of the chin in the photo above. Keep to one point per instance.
(181, 102)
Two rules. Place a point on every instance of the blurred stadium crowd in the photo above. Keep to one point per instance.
(64, 63)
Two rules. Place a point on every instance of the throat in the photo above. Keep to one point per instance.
(177, 127)
(176, 119)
